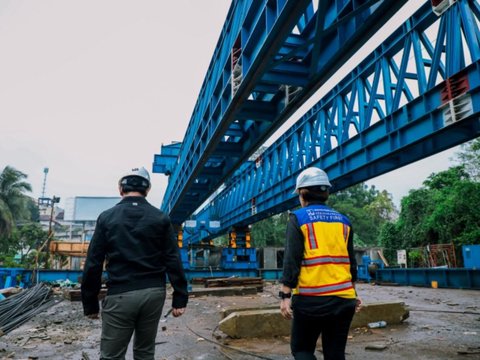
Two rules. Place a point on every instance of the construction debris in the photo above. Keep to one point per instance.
(19, 308)
(438, 333)
(376, 346)
(228, 291)
(235, 281)
(76, 294)
(10, 291)
(469, 351)
(202, 280)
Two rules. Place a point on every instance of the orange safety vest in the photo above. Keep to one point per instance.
(325, 268)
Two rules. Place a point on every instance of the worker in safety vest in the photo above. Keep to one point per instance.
(139, 245)
(319, 272)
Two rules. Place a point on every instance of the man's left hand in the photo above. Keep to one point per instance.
(286, 309)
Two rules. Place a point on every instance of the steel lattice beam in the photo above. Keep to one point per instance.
(417, 94)
(272, 55)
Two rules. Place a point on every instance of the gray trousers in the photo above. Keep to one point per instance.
(135, 312)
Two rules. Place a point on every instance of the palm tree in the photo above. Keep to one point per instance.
(13, 201)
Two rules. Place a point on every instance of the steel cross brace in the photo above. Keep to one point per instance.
(269, 90)
(393, 109)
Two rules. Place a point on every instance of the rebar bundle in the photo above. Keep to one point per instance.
(19, 308)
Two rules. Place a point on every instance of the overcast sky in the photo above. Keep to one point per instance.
(90, 89)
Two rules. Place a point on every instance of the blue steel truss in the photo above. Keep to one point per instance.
(270, 58)
(417, 94)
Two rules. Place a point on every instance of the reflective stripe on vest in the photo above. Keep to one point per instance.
(322, 260)
(311, 237)
(325, 289)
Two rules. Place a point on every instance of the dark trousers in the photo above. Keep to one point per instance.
(334, 330)
(131, 313)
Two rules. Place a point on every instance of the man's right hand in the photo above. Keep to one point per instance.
(178, 312)
(358, 304)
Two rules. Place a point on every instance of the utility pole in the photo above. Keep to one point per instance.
(45, 172)
(53, 201)
(45, 202)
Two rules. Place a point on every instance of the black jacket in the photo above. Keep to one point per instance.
(139, 245)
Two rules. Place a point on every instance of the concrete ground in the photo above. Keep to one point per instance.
(443, 324)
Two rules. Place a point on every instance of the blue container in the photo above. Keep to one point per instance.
(446, 278)
(471, 256)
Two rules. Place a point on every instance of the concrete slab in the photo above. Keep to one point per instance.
(225, 312)
(255, 324)
(391, 312)
(268, 322)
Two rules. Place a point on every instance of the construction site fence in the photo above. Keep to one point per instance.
(455, 278)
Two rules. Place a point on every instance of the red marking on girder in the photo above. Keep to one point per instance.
(455, 86)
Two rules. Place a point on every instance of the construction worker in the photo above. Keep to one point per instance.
(319, 272)
(139, 246)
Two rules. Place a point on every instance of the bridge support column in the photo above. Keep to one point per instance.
(239, 254)
(183, 248)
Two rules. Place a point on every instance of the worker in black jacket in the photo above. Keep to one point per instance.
(138, 245)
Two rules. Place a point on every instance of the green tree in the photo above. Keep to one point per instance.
(13, 201)
(456, 217)
(443, 211)
(33, 210)
(8, 245)
(447, 179)
(413, 226)
(388, 239)
(382, 207)
(367, 208)
(470, 158)
(30, 237)
(270, 231)
(359, 195)
(6, 220)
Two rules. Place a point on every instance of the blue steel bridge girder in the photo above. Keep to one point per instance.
(265, 54)
(398, 106)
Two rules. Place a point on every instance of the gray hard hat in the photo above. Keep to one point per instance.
(312, 176)
(136, 172)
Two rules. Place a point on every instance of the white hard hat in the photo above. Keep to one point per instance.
(138, 172)
(312, 176)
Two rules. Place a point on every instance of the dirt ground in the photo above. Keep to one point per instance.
(443, 324)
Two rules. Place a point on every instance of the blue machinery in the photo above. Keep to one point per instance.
(368, 268)
(414, 95)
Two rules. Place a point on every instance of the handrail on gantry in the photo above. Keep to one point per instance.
(270, 58)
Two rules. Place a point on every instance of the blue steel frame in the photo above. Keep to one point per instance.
(388, 112)
(271, 56)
